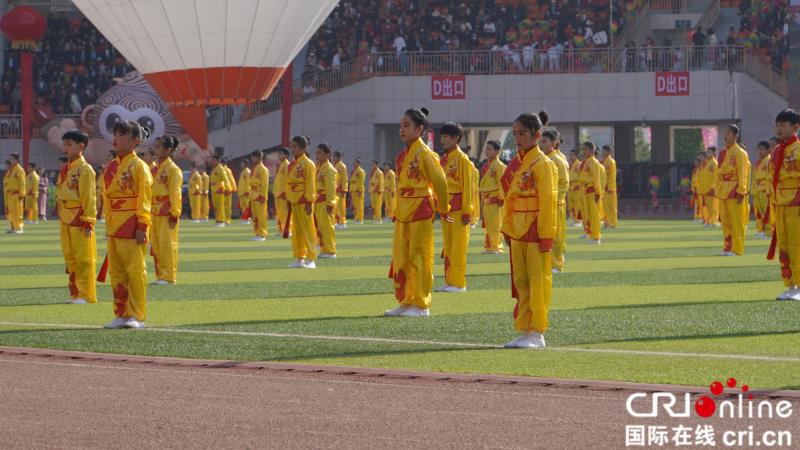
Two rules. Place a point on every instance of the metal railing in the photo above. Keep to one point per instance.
(11, 126)
(635, 20)
(672, 6)
(710, 16)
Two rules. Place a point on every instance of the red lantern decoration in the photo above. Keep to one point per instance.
(24, 26)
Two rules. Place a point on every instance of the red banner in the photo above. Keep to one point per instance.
(26, 89)
(672, 84)
(448, 87)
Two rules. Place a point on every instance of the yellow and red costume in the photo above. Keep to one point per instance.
(785, 165)
(731, 187)
(592, 187)
(232, 187)
(166, 213)
(492, 194)
(459, 173)
(32, 195)
(707, 176)
(376, 188)
(196, 195)
(259, 198)
(575, 196)
(279, 192)
(390, 192)
(219, 189)
(610, 195)
(204, 205)
(300, 192)
(14, 196)
(560, 238)
(244, 193)
(341, 193)
(357, 180)
(326, 198)
(77, 212)
(761, 197)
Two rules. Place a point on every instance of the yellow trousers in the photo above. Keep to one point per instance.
(389, 204)
(228, 207)
(281, 213)
(80, 257)
(244, 204)
(164, 241)
(412, 263)
(358, 206)
(532, 275)
(491, 220)
(196, 205)
(341, 209)
(698, 207)
(304, 233)
(376, 199)
(128, 273)
(32, 206)
(711, 205)
(204, 206)
(610, 209)
(456, 242)
(787, 222)
(733, 225)
(15, 208)
(591, 216)
(325, 226)
(560, 239)
(761, 207)
(219, 208)
(260, 216)
(575, 202)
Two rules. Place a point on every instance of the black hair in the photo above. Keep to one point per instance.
(574, 151)
(495, 144)
(419, 117)
(132, 129)
(193, 165)
(284, 150)
(452, 129)
(77, 136)
(551, 133)
(590, 145)
(169, 141)
(113, 153)
(530, 121)
(325, 147)
(308, 139)
(735, 129)
(764, 144)
(63, 159)
(608, 148)
(32, 164)
(301, 141)
(788, 115)
(140, 154)
(15, 156)
(358, 160)
(257, 153)
(216, 156)
(375, 161)
(544, 117)
(712, 149)
(337, 154)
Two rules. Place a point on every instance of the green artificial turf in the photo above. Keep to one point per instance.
(653, 303)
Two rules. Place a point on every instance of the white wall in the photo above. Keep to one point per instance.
(41, 152)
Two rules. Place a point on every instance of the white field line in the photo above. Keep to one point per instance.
(423, 342)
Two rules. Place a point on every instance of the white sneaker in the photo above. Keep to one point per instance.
(727, 254)
(17, 232)
(454, 289)
(413, 311)
(310, 265)
(556, 271)
(490, 252)
(788, 293)
(117, 323)
(360, 222)
(513, 343)
(327, 256)
(583, 236)
(296, 265)
(246, 222)
(531, 340)
(395, 312)
(219, 225)
(441, 288)
(133, 323)
(258, 239)
(593, 242)
(78, 301)
(794, 296)
(578, 225)
(160, 283)
(344, 226)
(196, 221)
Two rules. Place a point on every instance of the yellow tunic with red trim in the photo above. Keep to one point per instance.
(376, 182)
(419, 178)
(732, 177)
(279, 184)
(300, 181)
(259, 183)
(460, 172)
(763, 176)
(167, 190)
(14, 182)
(327, 182)
(76, 194)
(787, 192)
(591, 177)
(219, 180)
(195, 184)
(522, 220)
(490, 187)
(127, 195)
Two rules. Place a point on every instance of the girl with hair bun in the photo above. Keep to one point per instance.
(301, 192)
(166, 211)
(127, 194)
(530, 184)
(421, 187)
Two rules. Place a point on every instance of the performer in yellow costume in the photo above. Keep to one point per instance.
(492, 195)
(549, 144)
(128, 183)
(459, 172)
(390, 190)
(32, 194)
(259, 195)
(219, 188)
(196, 194)
(697, 202)
(708, 174)
(376, 188)
(279, 192)
(300, 192)
(166, 211)
(731, 187)
(785, 190)
(341, 190)
(244, 192)
(325, 203)
(761, 188)
(476, 194)
(575, 196)
(610, 196)
(592, 187)
(14, 194)
(77, 214)
(421, 190)
(204, 206)
(357, 179)
(232, 187)
(530, 183)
